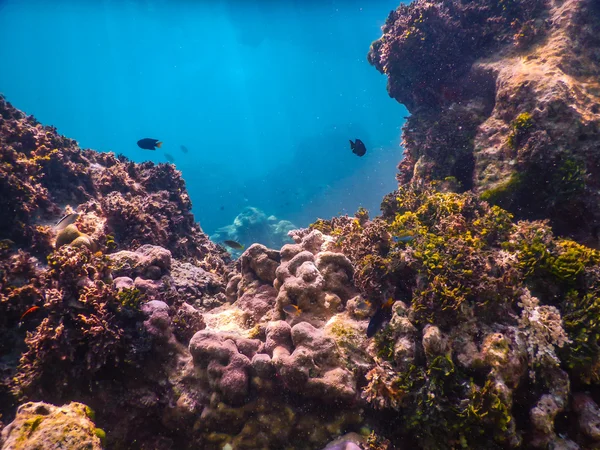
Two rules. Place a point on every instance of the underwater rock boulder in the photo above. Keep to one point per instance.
(194, 284)
(259, 302)
(259, 262)
(317, 283)
(314, 366)
(588, 414)
(44, 426)
(253, 226)
(158, 323)
(226, 367)
(148, 261)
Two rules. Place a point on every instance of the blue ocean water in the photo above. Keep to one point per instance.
(265, 95)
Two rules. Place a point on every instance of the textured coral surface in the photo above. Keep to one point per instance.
(40, 426)
(504, 97)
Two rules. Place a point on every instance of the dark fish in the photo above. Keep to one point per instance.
(65, 221)
(169, 158)
(358, 148)
(149, 144)
(183, 148)
(222, 208)
(234, 245)
(381, 316)
(292, 310)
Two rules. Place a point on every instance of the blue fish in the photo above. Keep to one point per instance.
(407, 238)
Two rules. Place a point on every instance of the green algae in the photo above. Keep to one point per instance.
(32, 424)
(90, 413)
(504, 194)
(385, 343)
(100, 434)
(131, 298)
(519, 127)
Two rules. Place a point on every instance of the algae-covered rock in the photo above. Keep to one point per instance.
(42, 426)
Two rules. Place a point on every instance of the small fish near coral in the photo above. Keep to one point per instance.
(292, 310)
(149, 143)
(27, 313)
(381, 316)
(358, 147)
(65, 221)
(363, 305)
(406, 238)
(234, 245)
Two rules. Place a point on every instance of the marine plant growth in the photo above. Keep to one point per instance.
(468, 270)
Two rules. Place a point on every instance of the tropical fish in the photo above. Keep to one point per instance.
(406, 238)
(363, 305)
(169, 158)
(381, 316)
(234, 245)
(358, 148)
(183, 148)
(65, 221)
(149, 144)
(26, 313)
(292, 310)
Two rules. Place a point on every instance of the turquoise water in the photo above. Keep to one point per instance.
(265, 96)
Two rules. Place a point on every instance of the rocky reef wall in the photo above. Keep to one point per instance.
(504, 99)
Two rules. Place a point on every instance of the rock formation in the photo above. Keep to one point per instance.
(504, 99)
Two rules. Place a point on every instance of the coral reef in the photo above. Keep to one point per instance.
(491, 339)
(486, 323)
(253, 225)
(507, 105)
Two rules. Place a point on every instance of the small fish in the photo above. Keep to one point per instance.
(169, 158)
(234, 245)
(381, 316)
(292, 310)
(222, 208)
(406, 238)
(183, 148)
(26, 313)
(363, 305)
(358, 148)
(149, 144)
(65, 221)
